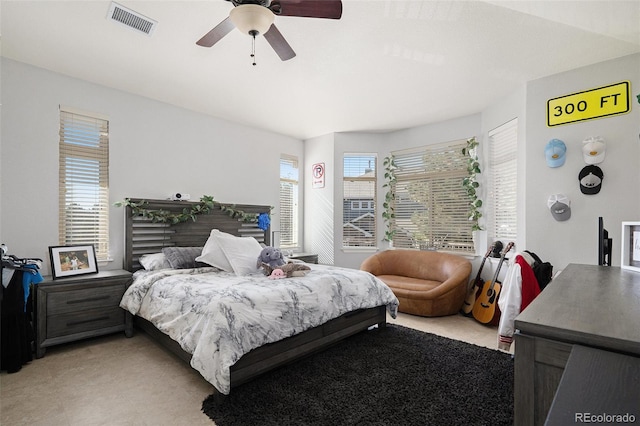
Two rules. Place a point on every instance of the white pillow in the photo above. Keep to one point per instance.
(155, 261)
(242, 252)
(212, 253)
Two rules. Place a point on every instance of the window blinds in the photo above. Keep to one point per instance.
(359, 200)
(502, 194)
(84, 182)
(289, 174)
(431, 205)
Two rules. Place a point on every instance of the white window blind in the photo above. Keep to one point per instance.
(502, 186)
(431, 205)
(359, 196)
(289, 174)
(84, 182)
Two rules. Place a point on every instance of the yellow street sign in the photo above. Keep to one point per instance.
(590, 104)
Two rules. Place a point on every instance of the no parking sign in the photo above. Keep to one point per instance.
(318, 171)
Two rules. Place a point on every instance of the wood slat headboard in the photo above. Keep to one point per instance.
(145, 237)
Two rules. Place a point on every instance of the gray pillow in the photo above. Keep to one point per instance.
(183, 257)
(154, 262)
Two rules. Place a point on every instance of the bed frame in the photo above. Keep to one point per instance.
(144, 237)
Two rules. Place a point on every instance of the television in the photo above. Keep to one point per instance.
(604, 245)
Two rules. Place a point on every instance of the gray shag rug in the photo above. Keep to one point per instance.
(389, 376)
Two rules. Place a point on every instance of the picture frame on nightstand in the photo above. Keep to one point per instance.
(68, 261)
(630, 246)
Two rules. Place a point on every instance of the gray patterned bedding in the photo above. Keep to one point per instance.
(219, 316)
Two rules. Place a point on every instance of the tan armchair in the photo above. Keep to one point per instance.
(426, 283)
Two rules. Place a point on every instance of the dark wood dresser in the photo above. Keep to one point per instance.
(79, 307)
(591, 306)
(305, 257)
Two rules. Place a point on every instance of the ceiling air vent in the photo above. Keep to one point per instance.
(131, 19)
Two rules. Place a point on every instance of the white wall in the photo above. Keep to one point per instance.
(155, 149)
(333, 150)
(575, 240)
(319, 230)
(560, 243)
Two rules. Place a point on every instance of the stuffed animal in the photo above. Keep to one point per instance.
(287, 270)
(271, 256)
(277, 274)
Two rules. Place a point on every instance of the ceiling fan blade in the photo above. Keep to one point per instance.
(331, 9)
(216, 34)
(279, 44)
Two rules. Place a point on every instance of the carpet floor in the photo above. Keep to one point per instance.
(389, 376)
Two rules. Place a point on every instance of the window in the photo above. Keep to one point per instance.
(288, 201)
(358, 207)
(84, 181)
(431, 205)
(362, 205)
(502, 182)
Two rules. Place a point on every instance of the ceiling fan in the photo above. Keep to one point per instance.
(255, 17)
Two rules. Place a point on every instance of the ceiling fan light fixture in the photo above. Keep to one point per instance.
(251, 17)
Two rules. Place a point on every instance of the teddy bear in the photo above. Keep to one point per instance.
(287, 270)
(271, 256)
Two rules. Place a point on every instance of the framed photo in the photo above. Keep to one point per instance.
(68, 261)
(630, 246)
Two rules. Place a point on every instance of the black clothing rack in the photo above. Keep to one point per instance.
(16, 325)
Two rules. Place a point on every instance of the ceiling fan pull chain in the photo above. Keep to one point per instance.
(253, 46)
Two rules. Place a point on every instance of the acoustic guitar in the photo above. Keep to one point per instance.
(485, 309)
(475, 286)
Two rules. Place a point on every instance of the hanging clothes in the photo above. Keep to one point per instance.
(16, 308)
(519, 288)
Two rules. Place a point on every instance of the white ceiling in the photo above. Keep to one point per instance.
(386, 65)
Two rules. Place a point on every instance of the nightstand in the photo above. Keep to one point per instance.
(79, 307)
(305, 257)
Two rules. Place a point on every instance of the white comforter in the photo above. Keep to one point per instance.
(218, 316)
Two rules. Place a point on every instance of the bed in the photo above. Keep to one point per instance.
(236, 326)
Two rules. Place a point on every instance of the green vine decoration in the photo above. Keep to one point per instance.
(388, 214)
(205, 206)
(471, 184)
